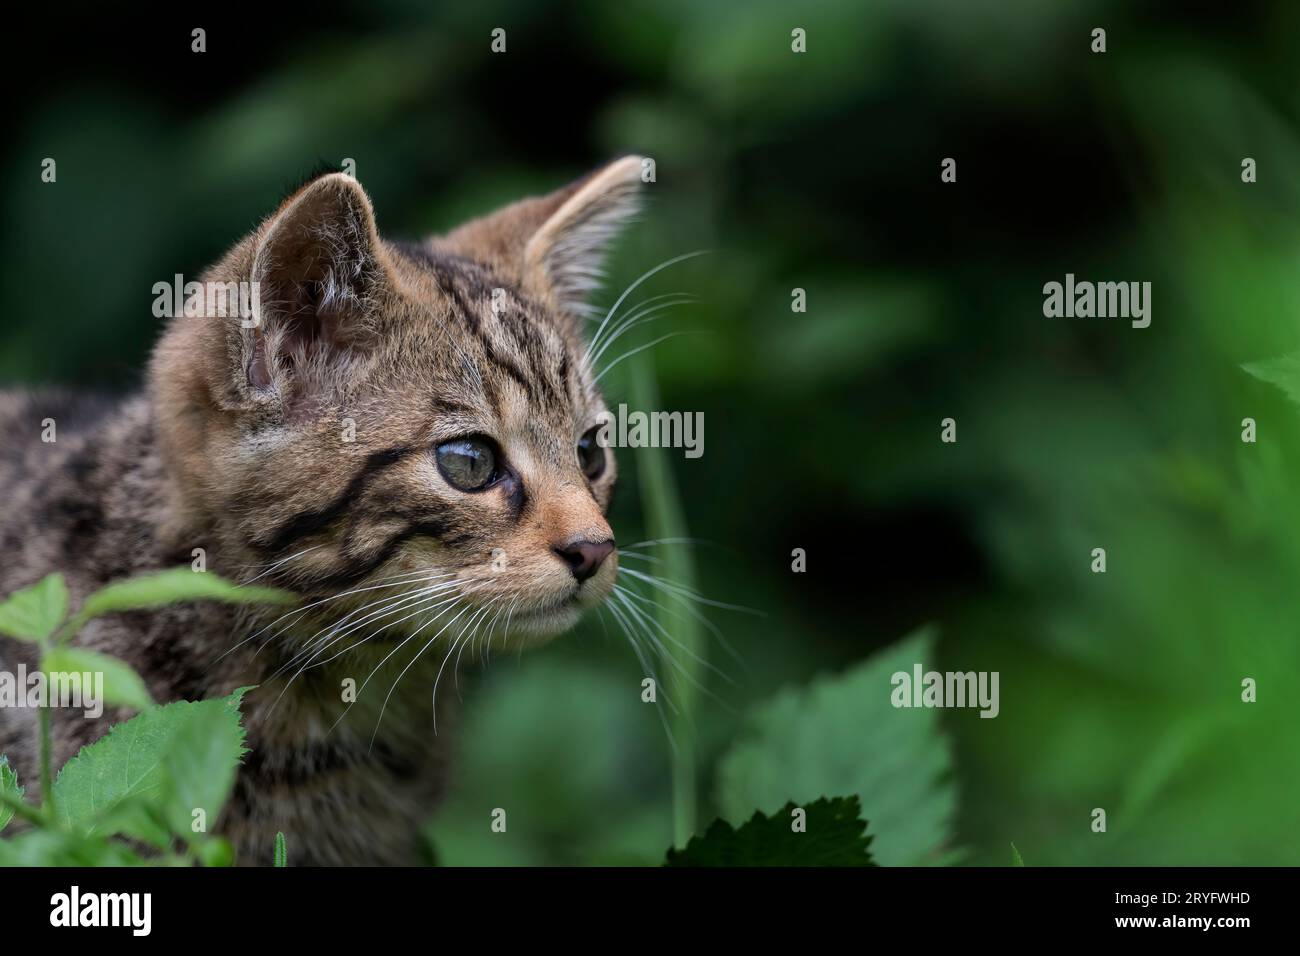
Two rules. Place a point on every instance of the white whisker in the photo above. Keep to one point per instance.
(642, 278)
(640, 348)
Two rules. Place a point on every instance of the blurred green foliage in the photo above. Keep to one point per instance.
(820, 171)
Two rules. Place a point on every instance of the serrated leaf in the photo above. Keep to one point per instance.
(122, 685)
(172, 587)
(1282, 371)
(834, 834)
(34, 613)
(9, 787)
(842, 735)
(148, 774)
(202, 763)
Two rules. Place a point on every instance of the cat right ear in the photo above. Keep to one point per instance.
(317, 275)
(554, 246)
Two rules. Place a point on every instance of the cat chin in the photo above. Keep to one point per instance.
(538, 627)
(539, 624)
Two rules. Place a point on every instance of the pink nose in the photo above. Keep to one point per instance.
(584, 557)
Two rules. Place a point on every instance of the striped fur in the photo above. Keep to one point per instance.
(299, 452)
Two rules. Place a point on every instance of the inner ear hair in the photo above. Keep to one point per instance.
(566, 255)
(554, 246)
(318, 273)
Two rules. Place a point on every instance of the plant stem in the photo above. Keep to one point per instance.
(29, 813)
(665, 519)
(47, 776)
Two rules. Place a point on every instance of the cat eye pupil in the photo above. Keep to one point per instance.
(591, 456)
(468, 464)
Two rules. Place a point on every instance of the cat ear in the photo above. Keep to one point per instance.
(318, 271)
(555, 246)
(567, 253)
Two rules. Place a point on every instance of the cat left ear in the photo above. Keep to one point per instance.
(318, 271)
(554, 246)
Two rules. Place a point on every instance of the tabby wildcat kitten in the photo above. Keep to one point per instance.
(403, 435)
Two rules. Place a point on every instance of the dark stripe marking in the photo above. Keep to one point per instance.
(309, 522)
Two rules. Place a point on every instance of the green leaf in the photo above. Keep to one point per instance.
(1282, 371)
(202, 762)
(48, 847)
(834, 834)
(122, 685)
(34, 613)
(281, 852)
(9, 787)
(147, 776)
(1015, 857)
(171, 587)
(843, 735)
(217, 852)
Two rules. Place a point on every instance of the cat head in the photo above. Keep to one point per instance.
(413, 419)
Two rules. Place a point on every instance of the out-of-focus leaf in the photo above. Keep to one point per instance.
(1282, 371)
(45, 847)
(33, 613)
(122, 685)
(171, 587)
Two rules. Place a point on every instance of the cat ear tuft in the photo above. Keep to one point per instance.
(317, 270)
(567, 254)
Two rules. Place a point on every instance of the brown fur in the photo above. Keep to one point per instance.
(238, 447)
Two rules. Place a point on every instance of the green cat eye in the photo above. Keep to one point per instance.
(468, 464)
(591, 455)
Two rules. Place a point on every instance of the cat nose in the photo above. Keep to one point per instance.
(584, 557)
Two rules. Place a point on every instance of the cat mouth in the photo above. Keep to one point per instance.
(553, 617)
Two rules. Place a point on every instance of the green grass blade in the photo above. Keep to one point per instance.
(664, 518)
